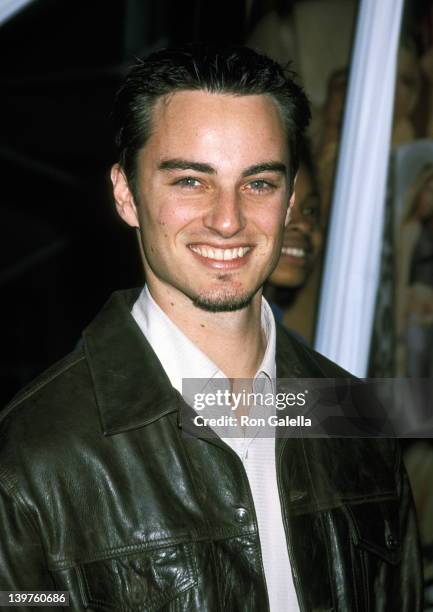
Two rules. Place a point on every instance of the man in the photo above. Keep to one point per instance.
(102, 493)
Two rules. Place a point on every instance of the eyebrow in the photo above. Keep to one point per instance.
(185, 164)
(265, 167)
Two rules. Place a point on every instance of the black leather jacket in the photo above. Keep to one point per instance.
(102, 495)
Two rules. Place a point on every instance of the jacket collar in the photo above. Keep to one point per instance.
(131, 387)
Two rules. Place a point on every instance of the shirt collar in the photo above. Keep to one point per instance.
(179, 356)
(268, 367)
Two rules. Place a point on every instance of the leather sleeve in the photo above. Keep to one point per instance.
(411, 583)
(22, 560)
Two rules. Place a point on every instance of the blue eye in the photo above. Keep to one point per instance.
(261, 185)
(188, 182)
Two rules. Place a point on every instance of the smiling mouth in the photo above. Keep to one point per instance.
(294, 252)
(215, 254)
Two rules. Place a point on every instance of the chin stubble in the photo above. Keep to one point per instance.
(222, 304)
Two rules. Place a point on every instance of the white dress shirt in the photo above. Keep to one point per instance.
(180, 359)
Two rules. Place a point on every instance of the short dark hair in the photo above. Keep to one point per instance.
(210, 67)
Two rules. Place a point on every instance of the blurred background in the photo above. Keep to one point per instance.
(63, 248)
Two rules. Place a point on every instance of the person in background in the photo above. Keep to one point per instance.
(293, 286)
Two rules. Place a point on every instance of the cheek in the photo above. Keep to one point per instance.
(278, 231)
(174, 214)
(271, 222)
(162, 222)
(317, 241)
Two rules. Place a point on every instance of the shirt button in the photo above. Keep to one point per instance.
(241, 515)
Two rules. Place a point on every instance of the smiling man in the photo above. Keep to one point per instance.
(210, 211)
(102, 493)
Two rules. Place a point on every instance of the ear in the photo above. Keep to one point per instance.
(123, 197)
(291, 204)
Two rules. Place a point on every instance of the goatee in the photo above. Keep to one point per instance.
(223, 303)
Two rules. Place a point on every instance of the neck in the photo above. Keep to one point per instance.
(234, 341)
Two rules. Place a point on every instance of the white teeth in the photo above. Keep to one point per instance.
(221, 254)
(293, 251)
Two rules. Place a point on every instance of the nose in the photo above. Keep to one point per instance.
(225, 216)
(301, 221)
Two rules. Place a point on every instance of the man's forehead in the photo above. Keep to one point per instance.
(178, 101)
(190, 119)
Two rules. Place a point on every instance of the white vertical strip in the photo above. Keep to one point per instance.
(352, 261)
(8, 8)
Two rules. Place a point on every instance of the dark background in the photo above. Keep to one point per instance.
(63, 248)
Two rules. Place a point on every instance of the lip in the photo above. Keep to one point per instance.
(218, 264)
(297, 242)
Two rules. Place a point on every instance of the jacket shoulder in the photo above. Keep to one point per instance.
(51, 405)
(43, 383)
